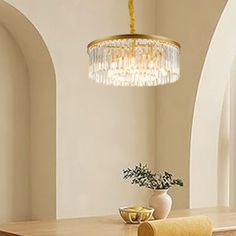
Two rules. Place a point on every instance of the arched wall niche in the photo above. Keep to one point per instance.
(39, 177)
(207, 113)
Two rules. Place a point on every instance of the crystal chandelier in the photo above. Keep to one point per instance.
(134, 59)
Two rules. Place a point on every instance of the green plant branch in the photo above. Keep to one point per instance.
(141, 175)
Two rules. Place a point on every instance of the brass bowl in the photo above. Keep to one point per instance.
(132, 216)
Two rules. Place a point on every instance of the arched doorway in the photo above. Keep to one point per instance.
(28, 121)
(208, 109)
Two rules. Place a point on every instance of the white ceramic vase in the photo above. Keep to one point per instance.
(161, 202)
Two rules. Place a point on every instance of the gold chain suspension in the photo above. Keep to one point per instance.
(132, 17)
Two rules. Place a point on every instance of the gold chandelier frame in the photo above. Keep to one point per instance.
(134, 36)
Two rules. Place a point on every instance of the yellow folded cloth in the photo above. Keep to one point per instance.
(186, 226)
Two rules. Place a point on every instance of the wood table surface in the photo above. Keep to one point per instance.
(224, 223)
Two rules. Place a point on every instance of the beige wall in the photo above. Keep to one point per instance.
(100, 130)
(223, 172)
(232, 134)
(15, 132)
(192, 23)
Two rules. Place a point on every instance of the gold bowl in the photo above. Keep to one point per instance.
(136, 215)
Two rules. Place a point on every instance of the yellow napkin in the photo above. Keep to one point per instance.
(187, 226)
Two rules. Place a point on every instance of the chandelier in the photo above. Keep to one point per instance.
(134, 59)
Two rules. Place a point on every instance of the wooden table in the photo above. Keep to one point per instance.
(224, 222)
